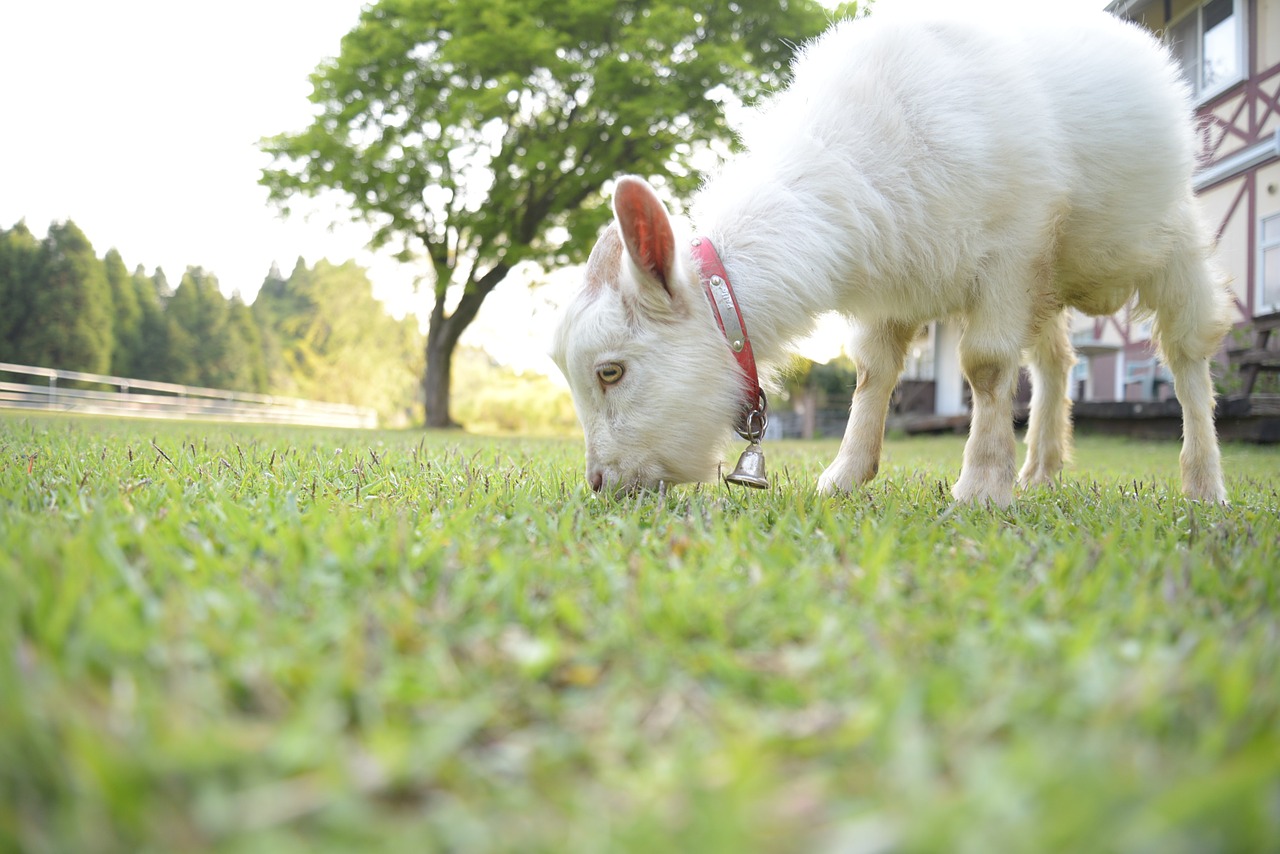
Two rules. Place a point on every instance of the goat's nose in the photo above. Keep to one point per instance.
(596, 479)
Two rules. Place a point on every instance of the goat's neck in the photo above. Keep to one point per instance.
(779, 290)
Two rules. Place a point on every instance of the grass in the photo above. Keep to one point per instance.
(266, 639)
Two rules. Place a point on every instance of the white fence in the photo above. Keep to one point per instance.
(147, 399)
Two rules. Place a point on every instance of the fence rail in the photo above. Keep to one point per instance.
(148, 399)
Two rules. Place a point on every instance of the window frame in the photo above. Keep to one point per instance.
(1200, 93)
(1260, 307)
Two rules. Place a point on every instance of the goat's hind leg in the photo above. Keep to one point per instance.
(878, 353)
(1051, 357)
(1192, 309)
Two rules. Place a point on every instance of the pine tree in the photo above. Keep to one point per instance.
(247, 361)
(150, 356)
(199, 315)
(19, 270)
(70, 324)
(127, 317)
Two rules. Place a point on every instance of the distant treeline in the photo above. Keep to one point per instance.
(318, 333)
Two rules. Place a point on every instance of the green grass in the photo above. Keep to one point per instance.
(277, 640)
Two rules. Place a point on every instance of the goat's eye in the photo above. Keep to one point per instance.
(610, 372)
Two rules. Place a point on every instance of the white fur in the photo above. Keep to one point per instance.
(912, 173)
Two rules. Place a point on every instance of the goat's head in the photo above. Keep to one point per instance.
(655, 387)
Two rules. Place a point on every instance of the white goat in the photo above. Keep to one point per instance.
(910, 173)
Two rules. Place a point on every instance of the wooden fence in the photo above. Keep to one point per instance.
(27, 387)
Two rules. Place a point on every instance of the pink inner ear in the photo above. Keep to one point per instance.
(646, 229)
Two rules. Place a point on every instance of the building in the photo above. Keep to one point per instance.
(1230, 53)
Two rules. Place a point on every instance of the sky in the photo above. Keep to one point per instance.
(139, 120)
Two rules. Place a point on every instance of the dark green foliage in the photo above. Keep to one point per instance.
(150, 354)
(481, 133)
(246, 351)
(56, 299)
(20, 263)
(199, 314)
(73, 309)
(126, 316)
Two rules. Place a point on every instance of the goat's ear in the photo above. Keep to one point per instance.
(647, 233)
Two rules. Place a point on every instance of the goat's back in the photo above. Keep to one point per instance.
(948, 144)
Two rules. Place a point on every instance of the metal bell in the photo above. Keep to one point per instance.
(750, 471)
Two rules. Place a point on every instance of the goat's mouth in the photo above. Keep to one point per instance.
(614, 484)
(657, 484)
(638, 485)
(637, 488)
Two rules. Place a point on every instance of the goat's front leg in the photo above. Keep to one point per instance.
(990, 454)
(878, 354)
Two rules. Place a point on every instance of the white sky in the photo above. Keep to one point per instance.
(139, 119)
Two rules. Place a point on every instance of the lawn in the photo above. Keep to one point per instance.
(273, 640)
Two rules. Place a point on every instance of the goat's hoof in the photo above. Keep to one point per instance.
(974, 491)
(1035, 476)
(831, 485)
(843, 479)
(1212, 495)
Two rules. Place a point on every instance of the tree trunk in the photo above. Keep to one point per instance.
(442, 338)
(435, 383)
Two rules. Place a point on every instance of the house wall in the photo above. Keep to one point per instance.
(1235, 208)
(1234, 239)
(1102, 378)
(1268, 21)
(1268, 204)
(1269, 190)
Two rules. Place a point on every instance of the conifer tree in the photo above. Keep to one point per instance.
(69, 327)
(126, 316)
(20, 260)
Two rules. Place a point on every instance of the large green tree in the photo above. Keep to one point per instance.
(480, 133)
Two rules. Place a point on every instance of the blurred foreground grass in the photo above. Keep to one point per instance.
(271, 639)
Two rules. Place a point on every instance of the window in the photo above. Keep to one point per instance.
(1209, 45)
(1269, 266)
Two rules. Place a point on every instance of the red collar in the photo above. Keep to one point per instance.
(715, 281)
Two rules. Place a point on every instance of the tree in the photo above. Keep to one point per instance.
(217, 336)
(69, 324)
(335, 341)
(20, 261)
(246, 354)
(153, 358)
(810, 386)
(127, 316)
(481, 132)
(265, 311)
